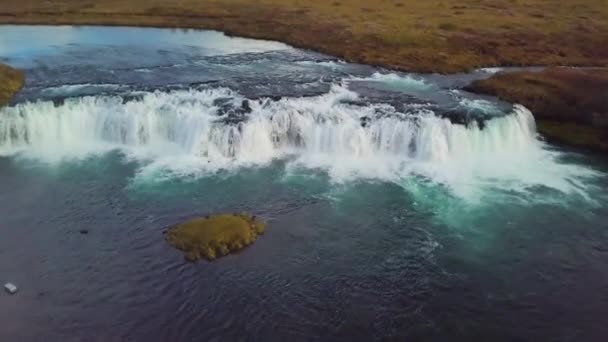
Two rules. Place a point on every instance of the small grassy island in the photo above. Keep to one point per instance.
(570, 105)
(11, 81)
(214, 236)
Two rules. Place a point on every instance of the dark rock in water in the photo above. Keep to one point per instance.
(245, 107)
(466, 118)
(232, 114)
(365, 121)
(84, 231)
(215, 235)
(222, 102)
(358, 103)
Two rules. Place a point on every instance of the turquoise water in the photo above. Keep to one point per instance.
(399, 207)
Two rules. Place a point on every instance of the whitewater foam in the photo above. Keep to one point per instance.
(397, 81)
(483, 106)
(327, 64)
(184, 133)
(493, 70)
(75, 89)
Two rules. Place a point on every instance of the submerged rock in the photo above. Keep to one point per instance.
(232, 114)
(215, 235)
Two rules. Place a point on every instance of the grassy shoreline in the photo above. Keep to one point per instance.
(11, 81)
(423, 36)
(444, 36)
(570, 105)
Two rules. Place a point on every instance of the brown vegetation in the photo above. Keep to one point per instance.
(11, 81)
(570, 105)
(425, 36)
(214, 236)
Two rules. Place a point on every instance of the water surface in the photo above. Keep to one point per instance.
(399, 206)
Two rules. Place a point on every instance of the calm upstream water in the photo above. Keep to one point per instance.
(399, 206)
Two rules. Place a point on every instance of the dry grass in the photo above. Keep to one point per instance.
(564, 94)
(429, 35)
(11, 81)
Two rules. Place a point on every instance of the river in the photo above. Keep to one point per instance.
(399, 206)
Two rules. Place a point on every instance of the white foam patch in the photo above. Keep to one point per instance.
(491, 70)
(406, 82)
(77, 88)
(480, 105)
(180, 133)
(327, 64)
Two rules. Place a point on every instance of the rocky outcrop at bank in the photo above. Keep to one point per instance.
(570, 105)
(11, 81)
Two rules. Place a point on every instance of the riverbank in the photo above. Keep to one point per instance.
(11, 81)
(570, 105)
(430, 36)
(421, 36)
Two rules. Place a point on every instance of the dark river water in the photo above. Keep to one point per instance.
(399, 207)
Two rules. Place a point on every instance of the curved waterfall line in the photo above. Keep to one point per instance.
(191, 122)
(188, 130)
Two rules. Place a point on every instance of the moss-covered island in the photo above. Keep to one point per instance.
(214, 236)
(11, 81)
(570, 105)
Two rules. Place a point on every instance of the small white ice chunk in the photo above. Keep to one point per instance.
(10, 288)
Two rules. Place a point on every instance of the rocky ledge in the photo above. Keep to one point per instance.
(214, 236)
(570, 104)
(11, 81)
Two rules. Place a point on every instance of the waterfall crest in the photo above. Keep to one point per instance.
(194, 130)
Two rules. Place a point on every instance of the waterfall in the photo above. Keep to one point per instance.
(180, 128)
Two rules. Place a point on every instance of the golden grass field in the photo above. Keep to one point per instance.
(420, 35)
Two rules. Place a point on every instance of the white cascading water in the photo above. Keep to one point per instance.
(180, 132)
